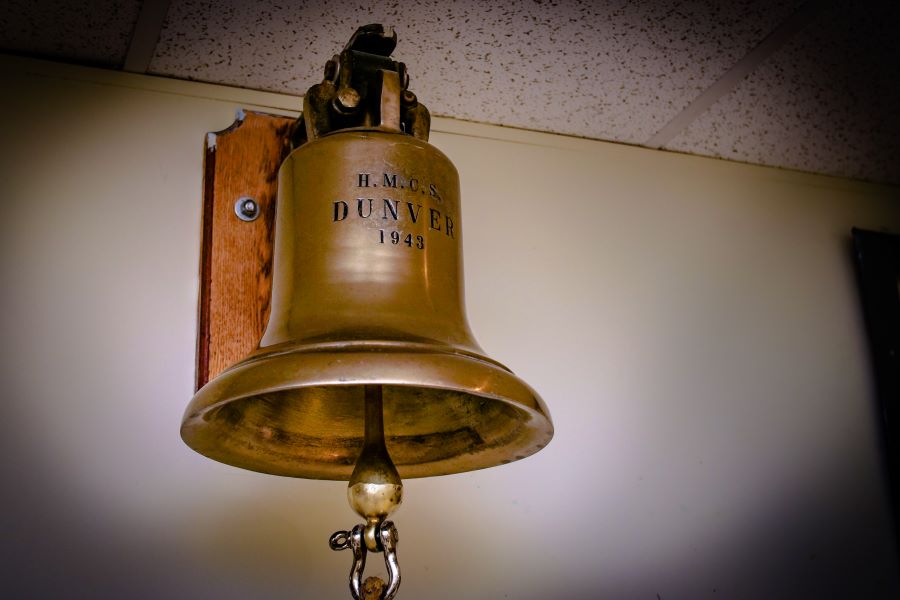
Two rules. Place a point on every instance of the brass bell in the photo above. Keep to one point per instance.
(367, 303)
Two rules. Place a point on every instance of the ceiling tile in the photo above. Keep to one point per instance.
(610, 70)
(96, 32)
(828, 101)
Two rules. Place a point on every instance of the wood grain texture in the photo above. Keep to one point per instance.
(236, 255)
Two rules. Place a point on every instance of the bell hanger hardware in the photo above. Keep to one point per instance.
(367, 371)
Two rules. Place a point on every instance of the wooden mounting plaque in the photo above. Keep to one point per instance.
(236, 255)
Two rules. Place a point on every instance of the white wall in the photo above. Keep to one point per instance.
(693, 325)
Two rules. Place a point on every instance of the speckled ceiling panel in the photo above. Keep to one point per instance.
(615, 70)
(828, 102)
(96, 32)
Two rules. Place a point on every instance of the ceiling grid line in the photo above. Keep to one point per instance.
(779, 36)
(145, 36)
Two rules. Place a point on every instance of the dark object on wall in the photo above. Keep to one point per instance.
(878, 269)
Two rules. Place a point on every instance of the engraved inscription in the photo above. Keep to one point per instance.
(396, 238)
(415, 209)
(401, 182)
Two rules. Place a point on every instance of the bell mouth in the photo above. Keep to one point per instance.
(300, 412)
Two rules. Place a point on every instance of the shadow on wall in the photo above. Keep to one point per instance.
(59, 546)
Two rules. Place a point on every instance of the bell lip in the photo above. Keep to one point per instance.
(419, 347)
(318, 365)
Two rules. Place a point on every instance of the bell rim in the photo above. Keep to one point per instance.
(437, 369)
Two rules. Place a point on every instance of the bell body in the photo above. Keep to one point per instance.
(367, 290)
(367, 245)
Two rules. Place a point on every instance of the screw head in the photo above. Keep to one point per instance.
(246, 208)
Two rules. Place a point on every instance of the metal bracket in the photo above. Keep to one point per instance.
(357, 85)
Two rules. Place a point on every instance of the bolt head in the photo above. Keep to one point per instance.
(246, 209)
(347, 98)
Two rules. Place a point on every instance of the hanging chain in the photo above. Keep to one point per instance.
(353, 539)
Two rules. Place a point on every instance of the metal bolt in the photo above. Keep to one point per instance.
(246, 208)
(409, 98)
(346, 99)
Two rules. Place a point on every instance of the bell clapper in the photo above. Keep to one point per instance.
(375, 491)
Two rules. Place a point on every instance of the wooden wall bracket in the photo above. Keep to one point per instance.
(236, 256)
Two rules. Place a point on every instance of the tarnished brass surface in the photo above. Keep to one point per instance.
(367, 290)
